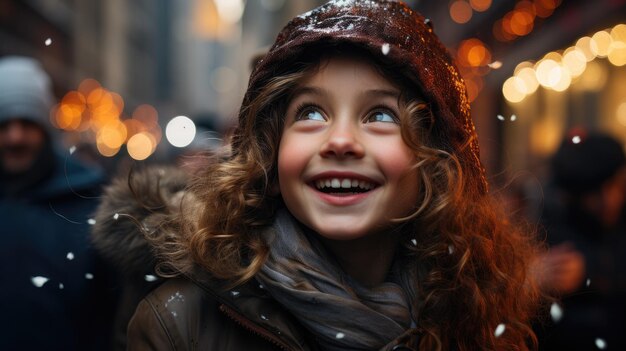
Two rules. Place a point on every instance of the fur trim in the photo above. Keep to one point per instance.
(134, 206)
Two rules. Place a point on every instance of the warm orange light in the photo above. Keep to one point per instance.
(600, 43)
(545, 8)
(67, 117)
(68, 114)
(617, 53)
(95, 96)
(478, 56)
(526, 6)
(118, 102)
(106, 151)
(133, 126)
(113, 134)
(521, 23)
(140, 146)
(87, 86)
(500, 34)
(480, 5)
(147, 115)
(460, 11)
(472, 52)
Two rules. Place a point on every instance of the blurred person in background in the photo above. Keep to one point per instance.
(54, 293)
(586, 229)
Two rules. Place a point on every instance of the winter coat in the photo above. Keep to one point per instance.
(189, 312)
(55, 293)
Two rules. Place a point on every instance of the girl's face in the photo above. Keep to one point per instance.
(343, 168)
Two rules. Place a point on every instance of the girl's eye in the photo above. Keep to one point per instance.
(382, 116)
(310, 114)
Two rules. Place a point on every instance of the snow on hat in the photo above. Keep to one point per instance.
(398, 35)
(25, 90)
(583, 165)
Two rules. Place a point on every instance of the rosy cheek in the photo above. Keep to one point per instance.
(398, 158)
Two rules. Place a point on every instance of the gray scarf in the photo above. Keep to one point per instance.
(344, 315)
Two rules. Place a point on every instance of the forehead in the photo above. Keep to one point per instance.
(338, 71)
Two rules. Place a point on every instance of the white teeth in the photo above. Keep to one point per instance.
(344, 183)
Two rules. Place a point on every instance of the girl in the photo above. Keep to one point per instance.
(352, 210)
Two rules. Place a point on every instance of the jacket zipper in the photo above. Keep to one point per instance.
(255, 329)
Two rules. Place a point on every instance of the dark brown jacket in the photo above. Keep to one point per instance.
(201, 315)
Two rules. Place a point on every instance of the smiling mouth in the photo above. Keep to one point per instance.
(343, 187)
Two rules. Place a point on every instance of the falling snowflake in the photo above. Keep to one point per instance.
(261, 286)
(588, 282)
(385, 48)
(61, 286)
(48, 41)
(501, 117)
(499, 330)
(450, 249)
(72, 149)
(556, 312)
(116, 216)
(414, 242)
(234, 293)
(600, 343)
(340, 335)
(263, 317)
(513, 118)
(150, 278)
(70, 256)
(88, 276)
(576, 139)
(177, 297)
(495, 64)
(91, 221)
(39, 281)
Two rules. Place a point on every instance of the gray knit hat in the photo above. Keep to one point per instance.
(25, 91)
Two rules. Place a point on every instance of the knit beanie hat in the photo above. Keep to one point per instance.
(25, 91)
(393, 32)
(583, 166)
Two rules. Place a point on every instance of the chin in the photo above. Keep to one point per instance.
(340, 234)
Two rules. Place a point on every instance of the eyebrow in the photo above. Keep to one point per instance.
(323, 92)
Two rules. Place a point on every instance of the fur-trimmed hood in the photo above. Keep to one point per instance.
(133, 206)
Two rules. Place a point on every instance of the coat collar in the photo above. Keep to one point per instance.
(251, 306)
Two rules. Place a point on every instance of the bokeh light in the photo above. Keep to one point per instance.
(140, 146)
(473, 53)
(230, 10)
(460, 11)
(579, 65)
(527, 75)
(620, 113)
(180, 131)
(574, 61)
(600, 43)
(480, 5)
(513, 89)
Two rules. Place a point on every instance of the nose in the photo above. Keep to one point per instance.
(13, 131)
(343, 142)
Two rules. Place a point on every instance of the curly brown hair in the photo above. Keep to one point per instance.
(471, 263)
